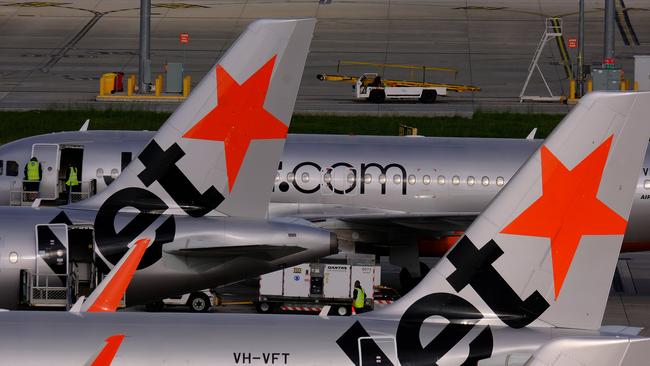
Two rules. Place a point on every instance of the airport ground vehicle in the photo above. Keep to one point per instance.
(371, 87)
(197, 302)
(524, 285)
(310, 286)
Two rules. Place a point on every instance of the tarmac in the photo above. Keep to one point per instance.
(53, 53)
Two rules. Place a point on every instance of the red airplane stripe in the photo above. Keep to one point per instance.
(107, 354)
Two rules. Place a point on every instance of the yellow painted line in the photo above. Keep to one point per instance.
(237, 303)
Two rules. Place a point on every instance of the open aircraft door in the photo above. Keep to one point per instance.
(48, 155)
(52, 249)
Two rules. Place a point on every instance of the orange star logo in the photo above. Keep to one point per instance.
(239, 117)
(568, 209)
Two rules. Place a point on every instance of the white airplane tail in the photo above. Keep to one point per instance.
(219, 151)
(544, 251)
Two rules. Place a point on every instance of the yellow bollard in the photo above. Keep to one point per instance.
(590, 85)
(572, 89)
(187, 81)
(130, 85)
(159, 85)
(623, 85)
(636, 86)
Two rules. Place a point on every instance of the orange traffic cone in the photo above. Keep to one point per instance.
(354, 312)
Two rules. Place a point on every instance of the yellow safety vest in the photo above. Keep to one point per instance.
(360, 300)
(72, 179)
(32, 171)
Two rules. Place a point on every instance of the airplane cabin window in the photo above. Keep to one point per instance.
(441, 179)
(12, 168)
(500, 181)
(426, 179)
(290, 177)
(455, 180)
(100, 173)
(646, 184)
(485, 181)
(397, 179)
(327, 177)
(412, 179)
(351, 178)
(367, 179)
(382, 178)
(2, 167)
(470, 181)
(304, 177)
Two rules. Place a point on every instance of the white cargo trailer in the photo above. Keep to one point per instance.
(310, 286)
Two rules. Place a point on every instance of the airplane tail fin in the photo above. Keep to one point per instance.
(220, 149)
(543, 253)
(106, 297)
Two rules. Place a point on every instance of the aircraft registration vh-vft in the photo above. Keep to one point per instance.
(526, 284)
(200, 189)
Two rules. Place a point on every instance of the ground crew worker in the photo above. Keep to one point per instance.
(359, 297)
(33, 173)
(72, 182)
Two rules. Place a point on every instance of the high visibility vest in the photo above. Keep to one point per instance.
(32, 171)
(72, 179)
(360, 300)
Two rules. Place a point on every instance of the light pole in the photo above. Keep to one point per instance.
(144, 72)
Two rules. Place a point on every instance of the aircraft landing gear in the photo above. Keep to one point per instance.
(155, 307)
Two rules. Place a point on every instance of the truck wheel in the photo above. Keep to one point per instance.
(377, 96)
(155, 306)
(428, 96)
(342, 310)
(263, 307)
(199, 302)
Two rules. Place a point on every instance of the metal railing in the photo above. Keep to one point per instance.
(18, 196)
(50, 290)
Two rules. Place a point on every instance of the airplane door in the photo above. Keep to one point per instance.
(381, 350)
(52, 249)
(48, 155)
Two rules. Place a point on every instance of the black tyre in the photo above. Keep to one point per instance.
(199, 302)
(264, 307)
(428, 96)
(377, 96)
(155, 306)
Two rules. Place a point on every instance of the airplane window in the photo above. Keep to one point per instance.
(12, 168)
(411, 179)
(455, 180)
(304, 177)
(114, 173)
(100, 173)
(646, 184)
(327, 177)
(367, 179)
(441, 179)
(485, 181)
(426, 179)
(290, 177)
(1, 166)
(500, 181)
(382, 178)
(13, 257)
(470, 181)
(351, 178)
(277, 177)
(397, 179)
